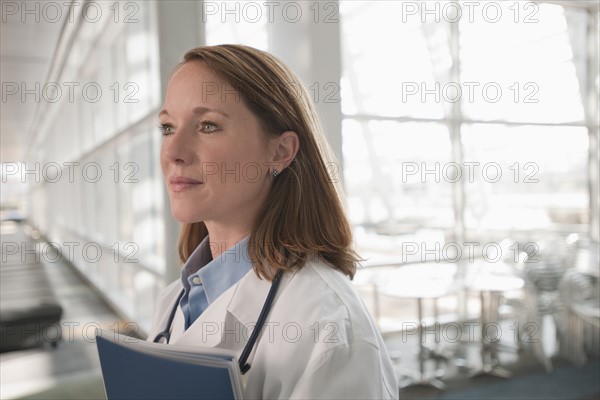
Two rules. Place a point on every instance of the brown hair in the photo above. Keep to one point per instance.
(303, 216)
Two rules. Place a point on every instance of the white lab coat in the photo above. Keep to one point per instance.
(319, 340)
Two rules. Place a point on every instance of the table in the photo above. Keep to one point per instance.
(490, 288)
(421, 282)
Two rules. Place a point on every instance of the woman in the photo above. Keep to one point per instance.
(243, 161)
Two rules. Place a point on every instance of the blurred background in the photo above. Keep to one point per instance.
(466, 137)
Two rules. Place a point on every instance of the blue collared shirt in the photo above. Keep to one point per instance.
(205, 279)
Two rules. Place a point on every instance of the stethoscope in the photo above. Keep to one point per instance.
(244, 366)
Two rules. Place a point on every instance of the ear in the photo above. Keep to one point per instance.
(286, 147)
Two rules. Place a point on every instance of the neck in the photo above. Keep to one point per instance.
(221, 238)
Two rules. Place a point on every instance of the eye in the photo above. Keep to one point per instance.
(208, 127)
(166, 129)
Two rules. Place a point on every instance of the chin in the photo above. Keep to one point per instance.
(185, 216)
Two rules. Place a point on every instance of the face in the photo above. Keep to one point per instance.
(215, 158)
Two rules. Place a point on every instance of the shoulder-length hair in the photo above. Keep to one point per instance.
(303, 216)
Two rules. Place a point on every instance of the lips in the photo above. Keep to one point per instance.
(181, 183)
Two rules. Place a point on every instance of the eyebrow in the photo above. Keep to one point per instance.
(198, 111)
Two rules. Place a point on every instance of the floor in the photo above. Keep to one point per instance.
(74, 360)
(71, 371)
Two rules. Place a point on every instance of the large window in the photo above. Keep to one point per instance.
(108, 207)
(385, 163)
(466, 118)
(526, 177)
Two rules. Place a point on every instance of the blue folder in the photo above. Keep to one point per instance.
(135, 369)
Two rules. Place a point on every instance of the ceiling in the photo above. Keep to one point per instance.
(26, 49)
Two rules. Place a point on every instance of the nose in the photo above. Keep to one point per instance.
(176, 148)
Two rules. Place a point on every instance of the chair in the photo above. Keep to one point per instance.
(542, 270)
(544, 299)
(580, 318)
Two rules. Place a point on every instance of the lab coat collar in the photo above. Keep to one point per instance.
(231, 312)
(242, 304)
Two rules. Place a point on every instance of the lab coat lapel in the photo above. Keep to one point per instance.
(245, 306)
(228, 321)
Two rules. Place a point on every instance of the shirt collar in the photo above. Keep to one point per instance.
(199, 258)
(218, 274)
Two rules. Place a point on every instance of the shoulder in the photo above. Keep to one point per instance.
(330, 296)
(321, 324)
